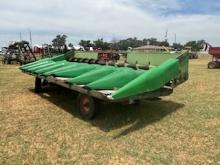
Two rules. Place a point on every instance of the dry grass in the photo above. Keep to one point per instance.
(183, 128)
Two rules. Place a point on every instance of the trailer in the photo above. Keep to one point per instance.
(215, 52)
(143, 76)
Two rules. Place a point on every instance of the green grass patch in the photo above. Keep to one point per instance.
(183, 128)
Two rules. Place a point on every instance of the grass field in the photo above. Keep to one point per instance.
(183, 128)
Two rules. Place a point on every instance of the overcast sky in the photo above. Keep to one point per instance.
(110, 19)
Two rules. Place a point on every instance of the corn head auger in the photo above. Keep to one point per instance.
(142, 76)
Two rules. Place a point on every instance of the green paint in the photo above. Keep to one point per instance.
(36, 65)
(116, 80)
(154, 59)
(93, 75)
(74, 72)
(89, 55)
(69, 66)
(34, 68)
(151, 80)
(45, 60)
(50, 68)
(127, 82)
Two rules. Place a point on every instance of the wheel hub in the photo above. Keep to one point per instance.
(85, 104)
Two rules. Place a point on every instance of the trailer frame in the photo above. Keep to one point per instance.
(153, 82)
(89, 111)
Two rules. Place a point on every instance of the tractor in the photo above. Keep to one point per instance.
(108, 56)
(191, 54)
(18, 52)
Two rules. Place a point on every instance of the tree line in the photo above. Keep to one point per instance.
(59, 42)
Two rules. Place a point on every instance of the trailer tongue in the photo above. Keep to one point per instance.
(143, 76)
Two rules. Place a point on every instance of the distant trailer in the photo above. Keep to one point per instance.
(215, 52)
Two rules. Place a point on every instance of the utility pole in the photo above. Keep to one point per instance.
(175, 39)
(166, 35)
(20, 36)
(31, 40)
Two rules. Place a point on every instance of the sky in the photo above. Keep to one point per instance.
(110, 20)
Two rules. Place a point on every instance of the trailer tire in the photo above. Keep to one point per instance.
(8, 61)
(212, 65)
(86, 106)
(137, 102)
(38, 85)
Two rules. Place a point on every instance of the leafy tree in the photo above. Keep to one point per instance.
(164, 43)
(101, 44)
(21, 44)
(152, 41)
(86, 44)
(59, 42)
(125, 44)
(177, 46)
(195, 45)
(146, 41)
(134, 42)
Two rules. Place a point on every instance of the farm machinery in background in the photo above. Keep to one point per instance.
(3, 52)
(48, 50)
(112, 56)
(18, 52)
(108, 56)
(191, 54)
(215, 52)
(22, 53)
(100, 57)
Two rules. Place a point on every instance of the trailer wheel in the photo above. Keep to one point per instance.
(8, 61)
(40, 85)
(211, 65)
(86, 106)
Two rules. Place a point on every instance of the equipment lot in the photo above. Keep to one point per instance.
(183, 128)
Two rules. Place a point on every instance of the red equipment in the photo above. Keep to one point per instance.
(215, 52)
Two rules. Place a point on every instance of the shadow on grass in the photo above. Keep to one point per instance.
(133, 117)
(115, 116)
